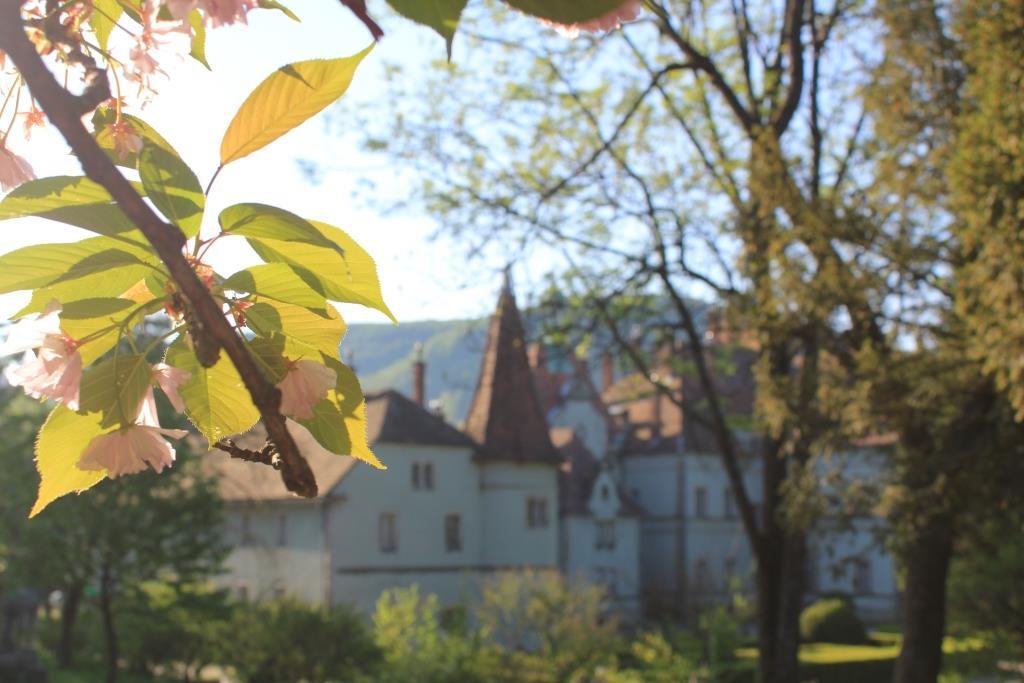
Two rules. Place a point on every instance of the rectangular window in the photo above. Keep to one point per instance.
(428, 476)
(452, 533)
(862, 577)
(701, 574)
(388, 532)
(243, 591)
(730, 504)
(415, 475)
(605, 535)
(282, 531)
(701, 502)
(536, 512)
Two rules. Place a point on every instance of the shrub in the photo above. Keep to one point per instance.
(415, 644)
(537, 627)
(832, 621)
(289, 641)
(174, 627)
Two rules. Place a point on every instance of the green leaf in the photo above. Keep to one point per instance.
(74, 200)
(260, 220)
(216, 400)
(105, 14)
(269, 355)
(566, 11)
(274, 4)
(277, 281)
(101, 120)
(305, 333)
(287, 98)
(107, 284)
(198, 52)
(351, 278)
(173, 187)
(42, 264)
(440, 15)
(115, 388)
(93, 308)
(339, 421)
(60, 444)
(100, 262)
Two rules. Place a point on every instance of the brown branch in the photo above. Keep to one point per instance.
(64, 110)
(792, 30)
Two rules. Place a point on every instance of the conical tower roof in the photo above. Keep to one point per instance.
(505, 416)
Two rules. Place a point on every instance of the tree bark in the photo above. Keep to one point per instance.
(791, 593)
(927, 558)
(68, 617)
(109, 632)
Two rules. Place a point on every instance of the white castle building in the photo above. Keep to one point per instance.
(549, 473)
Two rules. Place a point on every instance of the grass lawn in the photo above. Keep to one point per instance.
(834, 663)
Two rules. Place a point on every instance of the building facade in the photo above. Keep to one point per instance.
(613, 485)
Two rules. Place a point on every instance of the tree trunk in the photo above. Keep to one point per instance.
(780, 582)
(109, 633)
(68, 617)
(927, 558)
(791, 593)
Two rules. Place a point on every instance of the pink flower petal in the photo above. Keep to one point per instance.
(169, 379)
(305, 385)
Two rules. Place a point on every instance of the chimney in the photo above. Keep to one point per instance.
(419, 372)
(607, 371)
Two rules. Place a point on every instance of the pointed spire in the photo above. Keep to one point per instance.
(505, 416)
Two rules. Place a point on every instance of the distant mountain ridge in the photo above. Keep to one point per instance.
(382, 355)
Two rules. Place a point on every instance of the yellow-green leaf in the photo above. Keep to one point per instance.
(277, 281)
(339, 421)
(261, 220)
(43, 264)
(216, 400)
(60, 444)
(351, 278)
(115, 388)
(306, 334)
(110, 283)
(198, 52)
(173, 187)
(287, 98)
(105, 14)
(73, 200)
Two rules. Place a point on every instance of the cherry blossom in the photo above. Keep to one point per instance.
(305, 385)
(126, 140)
(628, 11)
(129, 449)
(169, 379)
(14, 170)
(55, 372)
(224, 12)
(180, 9)
(55, 369)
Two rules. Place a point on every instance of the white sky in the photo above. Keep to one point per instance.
(421, 279)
